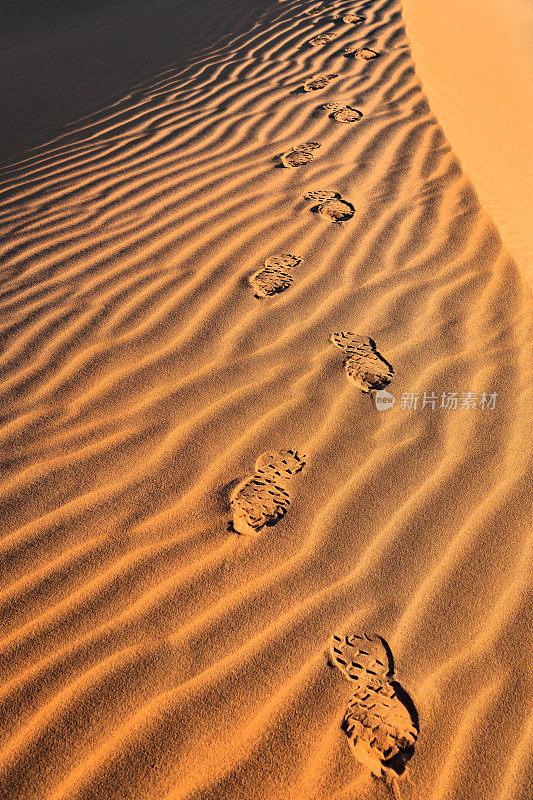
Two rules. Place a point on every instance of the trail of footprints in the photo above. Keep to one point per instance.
(275, 276)
(380, 719)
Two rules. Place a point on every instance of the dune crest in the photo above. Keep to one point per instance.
(483, 97)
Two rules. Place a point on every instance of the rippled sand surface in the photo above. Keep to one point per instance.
(147, 649)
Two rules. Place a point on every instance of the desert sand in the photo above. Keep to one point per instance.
(222, 261)
(475, 61)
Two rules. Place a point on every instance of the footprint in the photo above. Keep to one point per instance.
(353, 19)
(351, 49)
(331, 205)
(337, 211)
(380, 721)
(350, 18)
(283, 464)
(347, 114)
(322, 195)
(342, 113)
(364, 53)
(359, 653)
(382, 728)
(365, 367)
(262, 499)
(275, 276)
(301, 154)
(322, 38)
(318, 81)
(286, 260)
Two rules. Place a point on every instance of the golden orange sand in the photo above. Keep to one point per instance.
(147, 650)
(475, 60)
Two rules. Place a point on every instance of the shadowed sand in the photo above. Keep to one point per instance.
(147, 650)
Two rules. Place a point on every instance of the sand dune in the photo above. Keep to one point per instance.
(476, 62)
(148, 650)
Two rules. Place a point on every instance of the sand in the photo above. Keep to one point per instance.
(475, 61)
(148, 649)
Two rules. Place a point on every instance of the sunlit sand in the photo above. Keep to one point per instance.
(265, 417)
